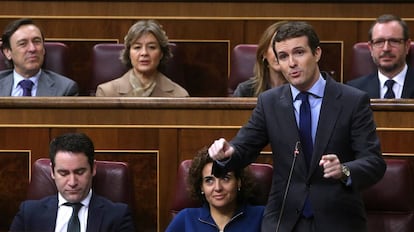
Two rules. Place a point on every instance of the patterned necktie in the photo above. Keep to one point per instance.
(305, 133)
(390, 92)
(27, 87)
(74, 224)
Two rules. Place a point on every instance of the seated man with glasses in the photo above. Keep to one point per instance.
(389, 45)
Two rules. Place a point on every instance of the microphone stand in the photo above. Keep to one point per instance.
(295, 154)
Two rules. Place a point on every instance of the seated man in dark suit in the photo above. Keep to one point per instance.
(73, 167)
(23, 47)
(389, 44)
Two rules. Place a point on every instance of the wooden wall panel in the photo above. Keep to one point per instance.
(127, 138)
(394, 141)
(193, 139)
(24, 137)
(203, 9)
(14, 179)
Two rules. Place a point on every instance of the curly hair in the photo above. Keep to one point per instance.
(195, 178)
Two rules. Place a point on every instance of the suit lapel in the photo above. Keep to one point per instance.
(408, 89)
(6, 85)
(49, 213)
(373, 88)
(330, 111)
(124, 87)
(289, 119)
(95, 214)
(45, 85)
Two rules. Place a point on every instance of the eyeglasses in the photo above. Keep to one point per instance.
(393, 42)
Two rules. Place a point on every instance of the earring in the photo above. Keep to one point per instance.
(202, 193)
(238, 189)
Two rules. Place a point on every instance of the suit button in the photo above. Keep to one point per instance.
(297, 211)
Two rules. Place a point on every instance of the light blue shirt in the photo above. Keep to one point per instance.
(315, 102)
(17, 90)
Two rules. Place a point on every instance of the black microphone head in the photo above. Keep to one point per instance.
(219, 171)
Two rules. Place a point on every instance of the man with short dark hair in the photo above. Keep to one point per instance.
(73, 167)
(323, 139)
(23, 46)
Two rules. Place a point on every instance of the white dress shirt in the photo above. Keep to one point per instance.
(65, 212)
(398, 84)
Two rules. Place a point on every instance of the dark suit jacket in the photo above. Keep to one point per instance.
(244, 89)
(346, 128)
(371, 84)
(103, 215)
(50, 84)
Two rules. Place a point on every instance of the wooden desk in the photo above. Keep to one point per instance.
(152, 134)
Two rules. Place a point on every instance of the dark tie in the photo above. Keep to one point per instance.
(27, 87)
(305, 133)
(74, 224)
(305, 126)
(390, 92)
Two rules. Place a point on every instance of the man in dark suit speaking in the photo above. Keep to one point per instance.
(76, 207)
(323, 140)
(23, 46)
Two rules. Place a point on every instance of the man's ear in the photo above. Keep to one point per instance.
(7, 53)
(318, 53)
(94, 168)
(52, 174)
(370, 48)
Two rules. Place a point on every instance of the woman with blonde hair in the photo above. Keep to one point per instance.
(266, 69)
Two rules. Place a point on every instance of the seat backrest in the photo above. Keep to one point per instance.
(106, 64)
(112, 180)
(390, 202)
(242, 60)
(56, 58)
(261, 175)
(362, 64)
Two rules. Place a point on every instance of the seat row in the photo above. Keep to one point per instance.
(107, 66)
(389, 203)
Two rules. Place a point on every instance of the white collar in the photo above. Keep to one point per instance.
(85, 202)
(399, 78)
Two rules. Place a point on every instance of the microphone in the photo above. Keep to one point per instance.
(282, 208)
(220, 171)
